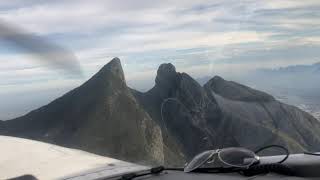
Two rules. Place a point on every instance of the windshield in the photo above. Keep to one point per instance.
(158, 82)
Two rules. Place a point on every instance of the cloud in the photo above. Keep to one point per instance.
(197, 36)
(275, 4)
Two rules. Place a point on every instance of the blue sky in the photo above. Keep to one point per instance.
(202, 38)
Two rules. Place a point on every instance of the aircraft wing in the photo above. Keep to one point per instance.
(47, 161)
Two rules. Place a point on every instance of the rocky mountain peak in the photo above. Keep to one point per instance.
(165, 69)
(166, 75)
(113, 67)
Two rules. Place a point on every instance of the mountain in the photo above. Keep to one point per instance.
(295, 85)
(168, 124)
(224, 113)
(313, 68)
(170, 103)
(270, 120)
(100, 116)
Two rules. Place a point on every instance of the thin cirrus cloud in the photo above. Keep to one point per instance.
(191, 34)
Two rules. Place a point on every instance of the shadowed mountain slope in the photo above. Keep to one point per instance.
(100, 116)
(224, 113)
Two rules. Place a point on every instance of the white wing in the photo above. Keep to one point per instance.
(46, 161)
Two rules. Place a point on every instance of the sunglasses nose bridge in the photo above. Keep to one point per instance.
(212, 156)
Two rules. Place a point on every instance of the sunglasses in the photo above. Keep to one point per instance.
(232, 157)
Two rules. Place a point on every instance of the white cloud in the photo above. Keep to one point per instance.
(98, 30)
(181, 40)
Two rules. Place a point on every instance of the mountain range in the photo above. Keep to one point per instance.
(296, 85)
(168, 124)
(312, 68)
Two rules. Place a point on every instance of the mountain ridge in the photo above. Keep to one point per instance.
(311, 68)
(90, 118)
(161, 126)
(206, 112)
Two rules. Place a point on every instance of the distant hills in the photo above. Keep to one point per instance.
(302, 77)
(296, 85)
(286, 76)
(313, 68)
(168, 124)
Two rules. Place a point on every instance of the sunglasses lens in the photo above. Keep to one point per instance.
(238, 157)
(198, 160)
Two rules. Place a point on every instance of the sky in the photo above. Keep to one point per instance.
(202, 38)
